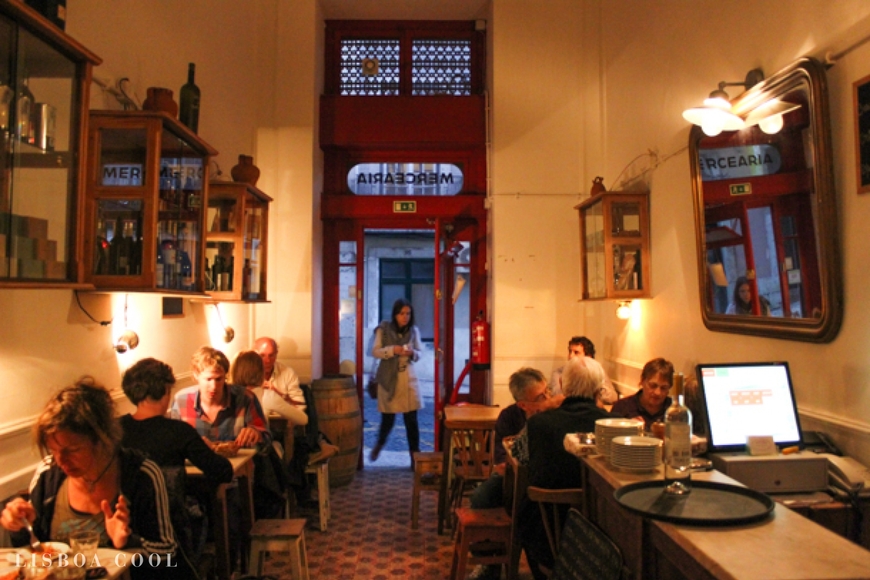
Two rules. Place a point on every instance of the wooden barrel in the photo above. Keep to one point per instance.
(338, 417)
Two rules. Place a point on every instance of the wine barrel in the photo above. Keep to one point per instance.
(339, 418)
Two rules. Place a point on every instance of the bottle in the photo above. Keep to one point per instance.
(159, 270)
(124, 247)
(169, 250)
(24, 113)
(189, 114)
(246, 280)
(678, 443)
(101, 250)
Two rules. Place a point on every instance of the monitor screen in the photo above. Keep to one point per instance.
(746, 399)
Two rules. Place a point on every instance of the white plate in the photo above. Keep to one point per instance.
(625, 423)
(636, 440)
(56, 548)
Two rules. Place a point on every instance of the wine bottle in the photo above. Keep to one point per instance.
(24, 113)
(189, 114)
(678, 443)
(159, 270)
(246, 280)
(101, 250)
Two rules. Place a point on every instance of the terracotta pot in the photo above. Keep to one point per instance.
(597, 186)
(245, 171)
(160, 99)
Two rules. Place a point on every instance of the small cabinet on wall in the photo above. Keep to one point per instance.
(614, 246)
(236, 242)
(45, 78)
(147, 190)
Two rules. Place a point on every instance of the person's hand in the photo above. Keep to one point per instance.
(398, 350)
(248, 437)
(13, 512)
(117, 522)
(209, 442)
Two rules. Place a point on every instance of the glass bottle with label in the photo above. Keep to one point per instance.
(678, 443)
(189, 113)
(24, 112)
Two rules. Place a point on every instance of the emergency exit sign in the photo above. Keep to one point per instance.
(740, 188)
(404, 207)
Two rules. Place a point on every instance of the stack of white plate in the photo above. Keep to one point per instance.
(607, 429)
(635, 454)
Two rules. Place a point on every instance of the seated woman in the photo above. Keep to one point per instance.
(550, 466)
(651, 401)
(248, 371)
(88, 481)
(742, 299)
(168, 442)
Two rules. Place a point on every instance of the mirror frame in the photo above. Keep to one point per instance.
(811, 73)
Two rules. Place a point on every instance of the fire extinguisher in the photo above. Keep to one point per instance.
(480, 343)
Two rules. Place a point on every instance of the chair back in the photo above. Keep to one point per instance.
(473, 453)
(585, 552)
(554, 505)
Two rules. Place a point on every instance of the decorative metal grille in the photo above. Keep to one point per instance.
(441, 67)
(384, 82)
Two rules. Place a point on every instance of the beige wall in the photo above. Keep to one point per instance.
(579, 88)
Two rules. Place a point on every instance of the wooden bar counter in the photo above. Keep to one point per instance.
(784, 546)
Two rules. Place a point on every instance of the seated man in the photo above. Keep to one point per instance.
(651, 401)
(279, 378)
(550, 466)
(582, 346)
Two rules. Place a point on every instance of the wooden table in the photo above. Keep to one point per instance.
(116, 562)
(459, 417)
(243, 471)
(786, 545)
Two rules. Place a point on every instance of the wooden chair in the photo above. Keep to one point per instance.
(428, 466)
(516, 482)
(321, 469)
(488, 533)
(472, 462)
(551, 502)
(586, 553)
(280, 536)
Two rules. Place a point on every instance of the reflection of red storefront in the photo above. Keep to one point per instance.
(755, 183)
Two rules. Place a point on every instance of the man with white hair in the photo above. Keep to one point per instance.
(549, 464)
(279, 378)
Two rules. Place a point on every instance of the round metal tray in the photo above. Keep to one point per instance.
(709, 504)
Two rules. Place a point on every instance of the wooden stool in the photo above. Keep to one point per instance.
(321, 468)
(279, 536)
(484, 530)
(426, 463)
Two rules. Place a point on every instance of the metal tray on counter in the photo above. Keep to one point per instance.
(709, 504)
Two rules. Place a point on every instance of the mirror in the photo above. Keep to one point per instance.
(765, 213)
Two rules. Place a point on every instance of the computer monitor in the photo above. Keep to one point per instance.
(746, 399)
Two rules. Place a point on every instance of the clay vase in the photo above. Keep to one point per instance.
(597, 186)
(245, 171)
(160, 99)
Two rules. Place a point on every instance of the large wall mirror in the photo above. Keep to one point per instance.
(765, 213)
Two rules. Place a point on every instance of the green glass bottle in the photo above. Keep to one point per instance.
(189, 114)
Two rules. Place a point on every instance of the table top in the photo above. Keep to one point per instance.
(470, 416)
(787, 545)
(116, 562)
(239, 462)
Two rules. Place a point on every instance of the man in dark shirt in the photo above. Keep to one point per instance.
(651, 400)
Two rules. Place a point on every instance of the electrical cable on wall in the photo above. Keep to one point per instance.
(100, 322)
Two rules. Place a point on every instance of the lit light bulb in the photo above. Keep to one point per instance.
(623, 311)
(771, 125)
(711, 126)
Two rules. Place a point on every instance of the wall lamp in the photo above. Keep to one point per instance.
(716, 114)
(229, 333)
(128, 340)
(623, 311)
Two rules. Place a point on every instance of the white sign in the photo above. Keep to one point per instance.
(739, 162)
(129, 174)
(405, 179)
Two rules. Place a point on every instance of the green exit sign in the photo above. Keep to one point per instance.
(404, 207)
(740, 188)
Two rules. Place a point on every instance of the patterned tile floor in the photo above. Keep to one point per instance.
(369, 535)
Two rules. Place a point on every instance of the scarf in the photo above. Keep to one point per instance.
(388, 368)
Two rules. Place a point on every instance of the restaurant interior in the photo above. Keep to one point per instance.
(574, 90)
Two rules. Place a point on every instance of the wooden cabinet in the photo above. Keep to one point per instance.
(45, 79)
(614, 246)
(236, 242)
(145, 208)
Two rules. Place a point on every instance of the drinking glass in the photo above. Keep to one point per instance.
(84, 542)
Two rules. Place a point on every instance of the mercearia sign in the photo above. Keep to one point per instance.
(405, 179)
(738, 162)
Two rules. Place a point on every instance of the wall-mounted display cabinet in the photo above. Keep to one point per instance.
(146, 199)
(236, 242)
(614, 246)
(45, 79)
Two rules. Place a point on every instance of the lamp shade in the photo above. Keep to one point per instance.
(714, 117)
(768, 116)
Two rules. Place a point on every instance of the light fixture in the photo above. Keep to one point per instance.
(768, 116)
(623, 311)
(716, 116)
(229, 333)
(128, 340)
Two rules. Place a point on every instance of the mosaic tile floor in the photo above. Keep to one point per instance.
(370, 536)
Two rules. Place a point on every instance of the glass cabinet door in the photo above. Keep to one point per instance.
(255, 214)
(40, 122)
(593, 219)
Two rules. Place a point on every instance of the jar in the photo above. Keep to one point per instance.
(245, 171)
(160, 99)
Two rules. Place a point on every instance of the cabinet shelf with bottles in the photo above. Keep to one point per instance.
(236, 242)
(45, 78)
(614, 246)
(147, 186)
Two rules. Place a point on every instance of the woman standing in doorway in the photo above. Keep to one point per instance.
(397, 347)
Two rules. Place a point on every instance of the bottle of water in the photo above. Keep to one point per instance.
(678, 442)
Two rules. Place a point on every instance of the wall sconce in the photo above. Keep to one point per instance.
(128, 340)
(716, 116)
(623, 311)
(768, 116)
(229, 333)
